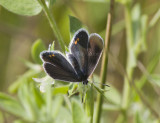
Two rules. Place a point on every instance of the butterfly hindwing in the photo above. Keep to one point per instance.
(58, 67)
(95, 48)
(78, 47)
(75, 64)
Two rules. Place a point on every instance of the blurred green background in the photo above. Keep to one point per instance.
(19, 32)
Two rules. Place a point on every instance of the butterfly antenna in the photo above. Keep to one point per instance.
(101, 84)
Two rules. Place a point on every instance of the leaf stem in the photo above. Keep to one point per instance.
(52, 24)
(104, 62)
(129, 67)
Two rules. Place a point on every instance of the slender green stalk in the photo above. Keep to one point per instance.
(53, 24)
(129, 67)
(104, 62)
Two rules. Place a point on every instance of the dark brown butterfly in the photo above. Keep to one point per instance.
(85, 51)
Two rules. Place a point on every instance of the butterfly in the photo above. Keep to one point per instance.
(84, 53)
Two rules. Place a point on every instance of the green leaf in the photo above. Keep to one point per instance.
(38, 98)
(60, 90)
(136, 15)
(52, 46)
(118, 27)
(150, 68)
(31, 65)
(75, 24)
(64, 116)
(66, 49)
(10, 105)
(27, 75)
(37, 48)
(89, 104)
(48, 98)
(22, 7)
(56, 105)
(138, 118)
(155, 19)
(50, 3)
(155, 79)
(101, 91)
(113, 96)
(144, 27)
(26, 99)
(78, 114)
(72, 89)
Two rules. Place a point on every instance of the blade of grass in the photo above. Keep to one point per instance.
(53, 24)
(104, 62)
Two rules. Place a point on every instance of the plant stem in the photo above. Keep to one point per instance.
(104, 62)
(52, 24)
(129, 67)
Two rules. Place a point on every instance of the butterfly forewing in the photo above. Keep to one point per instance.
(78, 48)
(58, 67)
(60, 74)
(95, 48)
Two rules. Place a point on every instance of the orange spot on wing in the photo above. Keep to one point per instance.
(50, 56)
(53, 55)
(77, 39)
(75, 42)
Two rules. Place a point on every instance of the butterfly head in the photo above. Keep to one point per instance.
(85, 82)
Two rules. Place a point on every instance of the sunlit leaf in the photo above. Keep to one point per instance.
(44, 83)
(52, 46)
(50, 3)
(22, 7)
(66, 49)
(60, 90)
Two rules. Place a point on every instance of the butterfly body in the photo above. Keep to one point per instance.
(79, 63)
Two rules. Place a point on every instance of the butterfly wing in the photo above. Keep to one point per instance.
(58, 67)
(95, 48)
(78, 47)
(75, 64)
